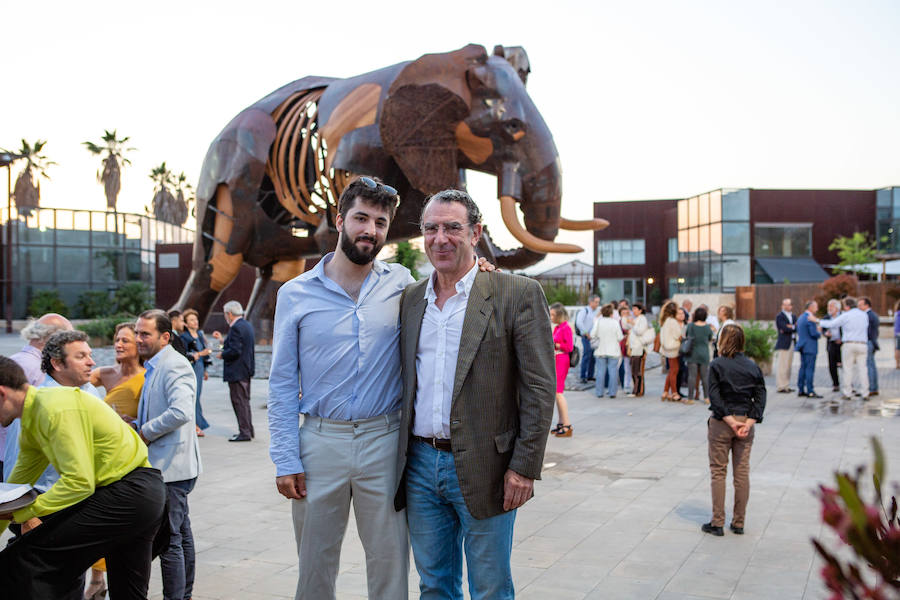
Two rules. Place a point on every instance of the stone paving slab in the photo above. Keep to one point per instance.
(616, 515)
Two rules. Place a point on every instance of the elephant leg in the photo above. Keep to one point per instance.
(261, 307)
(211, 276)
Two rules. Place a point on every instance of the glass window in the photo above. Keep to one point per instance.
(692, 211)
(704, 239)
(694, 241)
(736, 238)
(74, 264)
(715, 238)
(736, 205)
(683, 243)
(735, 271)
(715, 206)
(682, 214)
(783, 241)
(703, 204)
(620, 252)
(106, 267)
(34, 264)
(673, 249)
(715, 275)
(883, 197)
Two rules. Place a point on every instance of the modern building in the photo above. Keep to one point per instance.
(72, 251)
(717, 241)
(574, 274)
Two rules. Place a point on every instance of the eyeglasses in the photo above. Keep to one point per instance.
(372, 184)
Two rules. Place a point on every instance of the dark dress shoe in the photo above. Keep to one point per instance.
(814, 395)
(875, 393)
(712, 529)
(736, 530)
(238, 438)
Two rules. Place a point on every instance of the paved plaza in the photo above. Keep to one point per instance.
(617, 514)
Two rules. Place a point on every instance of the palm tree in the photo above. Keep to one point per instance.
(163, 200)
(111, 178)
(27, 192)
(184, 197)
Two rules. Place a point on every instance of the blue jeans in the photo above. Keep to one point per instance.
(177, 561)
(199, 369)
(608, 365)
(587, 359)
(439, 526)
(871, 368)
(805, 376)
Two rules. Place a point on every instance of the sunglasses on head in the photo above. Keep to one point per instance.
(372, 184)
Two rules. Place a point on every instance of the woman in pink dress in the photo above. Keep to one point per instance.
(563, 345)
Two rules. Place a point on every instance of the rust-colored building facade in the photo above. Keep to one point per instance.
(717, 241)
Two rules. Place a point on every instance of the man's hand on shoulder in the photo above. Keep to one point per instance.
(292, 486)
(517, 489)
(485, 266)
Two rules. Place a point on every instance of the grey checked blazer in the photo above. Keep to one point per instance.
(504, 388)
(170, 395)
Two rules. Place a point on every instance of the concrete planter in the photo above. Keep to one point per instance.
(764, 365)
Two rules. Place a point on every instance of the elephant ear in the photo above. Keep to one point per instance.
(423, 107)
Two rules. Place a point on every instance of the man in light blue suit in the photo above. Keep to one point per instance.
(808, 346)
(165, 422)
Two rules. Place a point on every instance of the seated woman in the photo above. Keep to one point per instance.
(123, 382)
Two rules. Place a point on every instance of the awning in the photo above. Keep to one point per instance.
(794, 270)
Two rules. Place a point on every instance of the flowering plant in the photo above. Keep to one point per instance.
(871, 531)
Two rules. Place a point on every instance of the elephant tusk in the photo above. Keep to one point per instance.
(586, 225)
(529, 240)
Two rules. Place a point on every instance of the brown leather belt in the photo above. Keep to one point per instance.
(436, 443)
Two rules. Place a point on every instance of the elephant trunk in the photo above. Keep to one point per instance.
(539, 196)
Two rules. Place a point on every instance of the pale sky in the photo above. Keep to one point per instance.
(646, 100)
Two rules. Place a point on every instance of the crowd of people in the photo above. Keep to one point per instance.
(113, 470)
(425, 406)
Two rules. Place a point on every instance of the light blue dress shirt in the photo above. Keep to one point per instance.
(854, 325)
(11, 451)
(346, 354)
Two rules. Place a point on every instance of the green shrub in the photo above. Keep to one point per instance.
(759, 341)
(561, 292)
(46, 301)
(133, 298)
(104, 329)
(93, 304)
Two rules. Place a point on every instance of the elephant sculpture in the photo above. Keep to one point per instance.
(270, 182)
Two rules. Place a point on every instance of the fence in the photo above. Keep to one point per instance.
(763, 302)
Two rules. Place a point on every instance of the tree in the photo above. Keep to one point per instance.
(166, 207)
(855, 250)
(111, 177)
(184, 197)
(409, 256)
(27, 192)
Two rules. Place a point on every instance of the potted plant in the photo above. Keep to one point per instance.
(759, 344)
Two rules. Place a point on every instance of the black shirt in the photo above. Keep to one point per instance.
(736, 387)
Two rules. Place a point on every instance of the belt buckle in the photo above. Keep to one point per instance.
(434, 443)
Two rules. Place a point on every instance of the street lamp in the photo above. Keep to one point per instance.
(6, 160)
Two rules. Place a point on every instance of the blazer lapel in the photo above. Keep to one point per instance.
(478, 313)
(411, 326)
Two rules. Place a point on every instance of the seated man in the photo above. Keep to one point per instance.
(108, 500)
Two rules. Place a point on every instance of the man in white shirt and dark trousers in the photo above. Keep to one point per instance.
(854, 325)
(584, 322)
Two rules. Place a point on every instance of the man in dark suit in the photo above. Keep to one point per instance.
(808, 346)
(865, 305)
(786, 324)
(478, 393)
(238, 368)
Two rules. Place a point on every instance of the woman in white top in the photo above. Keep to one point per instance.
(639, 337)
(726, 317)
(670, 335)
(605, 337)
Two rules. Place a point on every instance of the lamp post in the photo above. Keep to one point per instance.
(6, 160)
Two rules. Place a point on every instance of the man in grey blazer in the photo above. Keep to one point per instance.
(478, 393)
(166, 424)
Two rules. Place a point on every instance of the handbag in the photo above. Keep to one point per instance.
(688, 343)
(575, 356)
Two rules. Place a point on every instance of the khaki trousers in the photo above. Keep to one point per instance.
(344, 460)
(723, 440)
(783, 360)
(853, 359)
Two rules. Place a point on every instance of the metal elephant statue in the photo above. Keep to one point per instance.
(271, 179)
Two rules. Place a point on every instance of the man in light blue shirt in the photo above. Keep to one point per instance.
(336, 334)
(584, 322)
(854, 325)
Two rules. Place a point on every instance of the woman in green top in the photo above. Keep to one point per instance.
(698, 359)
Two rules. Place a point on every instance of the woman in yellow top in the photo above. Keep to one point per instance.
(123, 383)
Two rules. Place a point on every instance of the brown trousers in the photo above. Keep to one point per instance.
(637, 373)
(723, 440)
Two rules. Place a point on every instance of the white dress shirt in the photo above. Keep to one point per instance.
(854, 325)
(436, 357)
